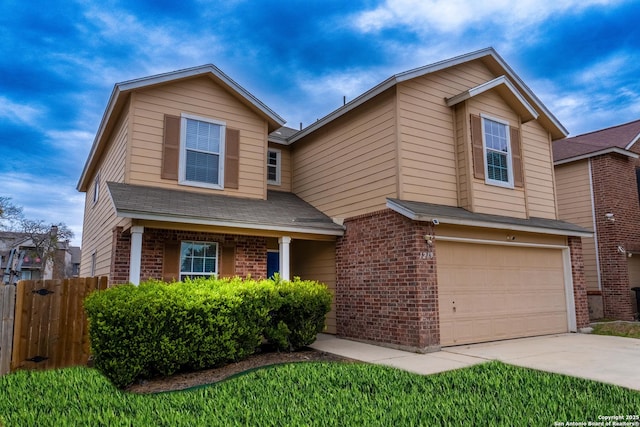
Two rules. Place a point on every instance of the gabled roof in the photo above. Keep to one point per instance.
(120, 93)
(420, 211)
(280, 136)
(617, 139)
(488, 56)
(280, 211)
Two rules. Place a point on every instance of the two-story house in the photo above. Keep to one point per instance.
(427, 203)
(597, 182)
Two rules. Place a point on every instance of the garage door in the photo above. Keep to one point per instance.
(493, 292)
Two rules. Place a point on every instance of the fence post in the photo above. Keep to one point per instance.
(7, 316)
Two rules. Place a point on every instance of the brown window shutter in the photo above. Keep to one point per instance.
(227, 261)
(476, 147)
(171, 147)
(232, 159)
(516, 157)
(171, 262)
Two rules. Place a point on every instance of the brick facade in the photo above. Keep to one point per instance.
(615, 191)
(386, 292)
(250, 252)
(579, 284)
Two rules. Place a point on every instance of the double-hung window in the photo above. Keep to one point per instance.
(497, 150)
(202, 152)
(273, 166)
(198, 259)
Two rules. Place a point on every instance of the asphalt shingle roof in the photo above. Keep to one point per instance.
(281, 210)
(614, 137)
(422, 211)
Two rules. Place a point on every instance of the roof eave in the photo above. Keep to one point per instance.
(485, 224)
(225, 223)
(510, 93)
(611, 150)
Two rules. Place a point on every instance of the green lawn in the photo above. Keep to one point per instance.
(318, 394)
(620, 329)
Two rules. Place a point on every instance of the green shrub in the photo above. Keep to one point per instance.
(159, 329)
(299, 314)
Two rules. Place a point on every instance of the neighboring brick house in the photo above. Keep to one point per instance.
(427, 204)
(597, 176)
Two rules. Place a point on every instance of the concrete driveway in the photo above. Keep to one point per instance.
(613, 360)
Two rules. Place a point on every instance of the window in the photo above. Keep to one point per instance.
(96, 189)
(273, 166)
(93, 265)
(497, 152)
(198, 259)
(201, 152)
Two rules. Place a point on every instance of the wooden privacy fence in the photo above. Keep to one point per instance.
(44, 325)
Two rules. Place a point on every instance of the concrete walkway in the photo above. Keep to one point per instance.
(613, 360)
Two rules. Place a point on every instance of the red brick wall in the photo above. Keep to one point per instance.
(615, 191)
(250, 254)
(386, 292)
(579, 284)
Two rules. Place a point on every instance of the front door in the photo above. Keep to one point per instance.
(273, 263)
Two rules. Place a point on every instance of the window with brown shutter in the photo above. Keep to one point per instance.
(516, 157)
(227, 261)
(232, 159)
(171, 261)
(171, 147)
(476, 147)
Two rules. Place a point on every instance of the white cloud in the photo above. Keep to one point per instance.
(19, 113)
(46, 198)
(450, 16)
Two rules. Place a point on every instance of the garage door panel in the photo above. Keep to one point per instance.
(492, 292)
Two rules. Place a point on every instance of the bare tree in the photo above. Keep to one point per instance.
(10, 214)
(47, 240)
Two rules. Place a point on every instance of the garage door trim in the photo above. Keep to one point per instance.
(566, 260)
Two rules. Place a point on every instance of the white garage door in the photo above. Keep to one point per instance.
(493, 292)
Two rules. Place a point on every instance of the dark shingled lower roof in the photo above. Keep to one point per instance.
(421, 211)
(281, 211)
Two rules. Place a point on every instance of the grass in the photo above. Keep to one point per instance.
(327, 394)
(620, 329)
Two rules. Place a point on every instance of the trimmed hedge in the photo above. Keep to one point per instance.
(162, 328)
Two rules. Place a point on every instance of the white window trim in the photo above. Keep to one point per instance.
(182, 165)
(278, 180)
(96, 189)
(487, 180)
(215, 274)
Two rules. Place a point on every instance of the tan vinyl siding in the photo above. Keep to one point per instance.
(349, 167)
(313, 260)
(575, 205)
(538, 171)
(463, 158)
(285, 168)
(100, 217)
(200, 97)
(427, 135)
(492, 199)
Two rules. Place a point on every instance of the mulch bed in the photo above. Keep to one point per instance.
(208, 376)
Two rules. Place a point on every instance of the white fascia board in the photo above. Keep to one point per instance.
(485, 224)
(633, 141)
(225, 223)
(484, 87)
(612, 150)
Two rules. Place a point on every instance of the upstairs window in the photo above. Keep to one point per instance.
(497, 157)
(273, 166)
(198, 259)
(497, 152)
(202, 152)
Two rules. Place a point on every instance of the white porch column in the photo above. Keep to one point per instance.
(285, 257)
(135, 259)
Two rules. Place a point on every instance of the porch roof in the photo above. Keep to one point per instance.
(281, 211)
(421, 211)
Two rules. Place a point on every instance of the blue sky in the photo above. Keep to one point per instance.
(59, 60)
